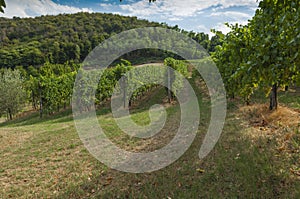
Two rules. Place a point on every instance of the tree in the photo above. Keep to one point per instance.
(230, 58)
(265, 52)
(52, 87)
(175, 81)
(13, 94)
(277, 44)
(2, 5)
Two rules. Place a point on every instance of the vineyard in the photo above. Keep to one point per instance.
(50, 88)
(44, 73)
(249, 152)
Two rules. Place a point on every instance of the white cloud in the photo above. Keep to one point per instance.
(197, 15)
(33, 8)
(105, 5)
(221, 27)
(231, 3)
(141, 9)
(231, 14)
(175, 19)
(202, 28)
(225, 29)
(180, 8)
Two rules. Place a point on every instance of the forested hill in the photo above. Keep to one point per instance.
(57, 39)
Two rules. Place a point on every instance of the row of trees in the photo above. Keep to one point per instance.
(127, 83)
(50, 87)
(264, 53)
(47, 88)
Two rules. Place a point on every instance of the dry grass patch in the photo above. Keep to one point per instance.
(280, 127)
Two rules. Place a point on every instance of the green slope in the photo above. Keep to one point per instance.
(45, 158)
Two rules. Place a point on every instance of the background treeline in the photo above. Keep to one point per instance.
(65, 37)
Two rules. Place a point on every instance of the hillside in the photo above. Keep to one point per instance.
(58, 39)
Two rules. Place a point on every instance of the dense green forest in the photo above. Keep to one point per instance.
(58, 39)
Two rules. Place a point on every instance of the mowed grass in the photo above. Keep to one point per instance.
(44, 158)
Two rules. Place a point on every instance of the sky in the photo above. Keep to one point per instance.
(196, 15)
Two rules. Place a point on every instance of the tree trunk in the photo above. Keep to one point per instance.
(273, 98)
(33, 101)
(286, 88)
(124, 91)
(169, 86)
(232, 95)
(41, 101)
(129, 105)
(248, 101)
(10, 114)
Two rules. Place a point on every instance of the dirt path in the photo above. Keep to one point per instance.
(150, 64)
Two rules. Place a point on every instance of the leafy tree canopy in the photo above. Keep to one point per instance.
(2, 5)
(263, 53)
